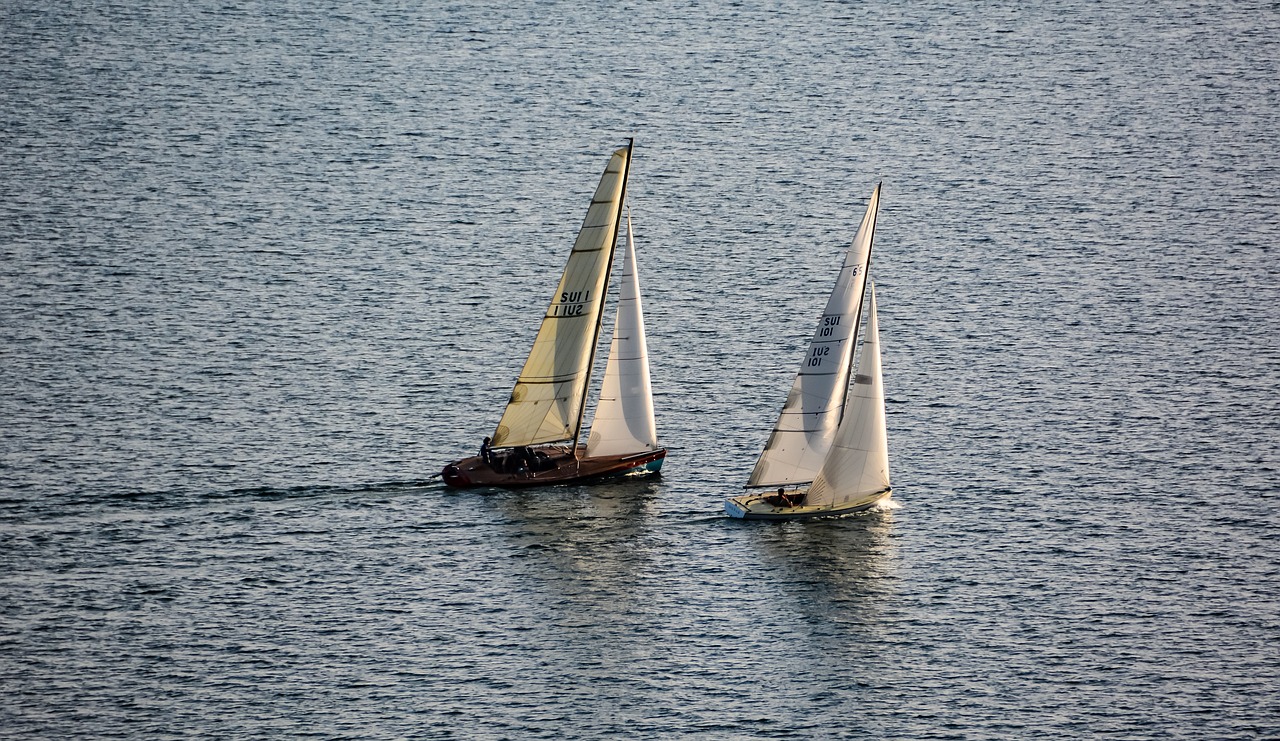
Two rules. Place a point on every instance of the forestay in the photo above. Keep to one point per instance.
(857, 468)
(547, 402)
(813, 409)
(624, 421)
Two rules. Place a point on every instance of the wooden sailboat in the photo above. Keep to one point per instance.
(828, 454)
(537, 440)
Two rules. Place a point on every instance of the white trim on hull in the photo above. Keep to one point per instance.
(754, 507)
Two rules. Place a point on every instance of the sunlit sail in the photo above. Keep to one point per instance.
(828, 453)
(537, 438)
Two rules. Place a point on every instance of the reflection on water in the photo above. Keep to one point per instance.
(839, 572)
(575, 572)
(585, 545)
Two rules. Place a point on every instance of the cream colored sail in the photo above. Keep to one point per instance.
(624, 421)
(802, 436)
(547, 402)
(856, 469)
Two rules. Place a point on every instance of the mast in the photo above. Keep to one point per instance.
(608, 272)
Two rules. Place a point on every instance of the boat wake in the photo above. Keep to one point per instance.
(888, 504)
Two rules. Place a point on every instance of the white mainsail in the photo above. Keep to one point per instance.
(624, 421)
(547, 402)
(813, 409)
(856, 469)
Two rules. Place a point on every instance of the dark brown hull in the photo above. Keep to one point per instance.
(554, 465)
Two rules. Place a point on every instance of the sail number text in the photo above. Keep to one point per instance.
(819, 351)
(572, 303)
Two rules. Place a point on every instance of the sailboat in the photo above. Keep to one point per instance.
(828, 454)
(536, 441)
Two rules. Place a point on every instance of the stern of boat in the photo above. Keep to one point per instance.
(454, 476)
(750, 507)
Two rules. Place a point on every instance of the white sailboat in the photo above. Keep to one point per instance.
(537, 439)
(828, 454)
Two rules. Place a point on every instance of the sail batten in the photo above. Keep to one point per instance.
(549, 379)
(814, 407)
(549, 397)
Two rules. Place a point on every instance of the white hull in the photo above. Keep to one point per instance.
(756, 507)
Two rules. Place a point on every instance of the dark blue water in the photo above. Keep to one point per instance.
(266, 267)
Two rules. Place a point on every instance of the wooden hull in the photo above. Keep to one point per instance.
(756, 507)
(554, 465)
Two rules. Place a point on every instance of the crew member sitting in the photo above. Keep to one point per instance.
(486, 452)
(786, 499)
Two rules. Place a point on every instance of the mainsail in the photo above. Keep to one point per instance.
(547, 402)
(857, 467)
(624, 421)
(814, 408)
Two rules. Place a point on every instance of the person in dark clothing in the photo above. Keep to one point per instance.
(486, 452)
(783, 499)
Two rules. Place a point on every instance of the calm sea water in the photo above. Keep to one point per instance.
(267, 266)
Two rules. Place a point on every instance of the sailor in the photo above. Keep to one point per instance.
(783, 499)
(486, 452)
